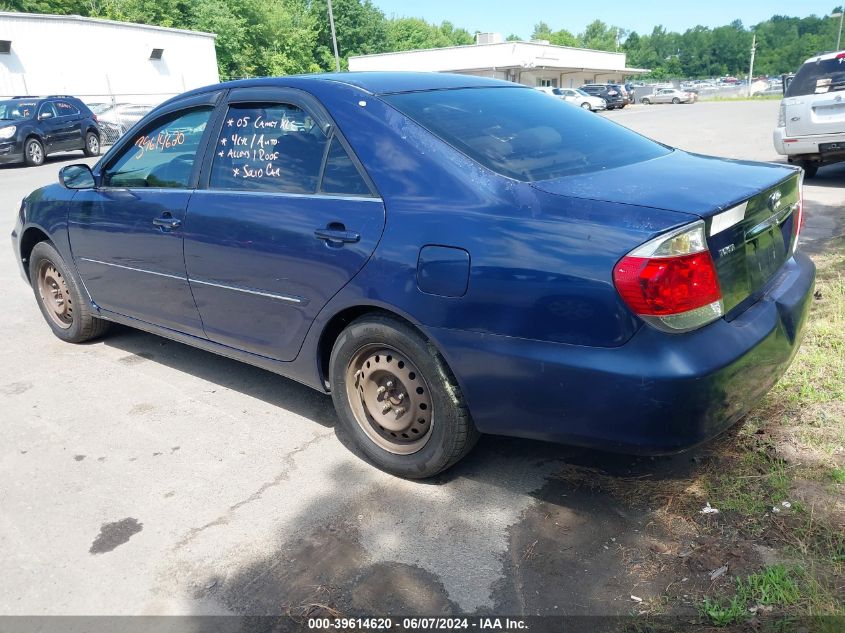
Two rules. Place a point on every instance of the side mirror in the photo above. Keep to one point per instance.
(45, 115)
(77, 177)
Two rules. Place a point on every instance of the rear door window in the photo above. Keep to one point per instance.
(819, 77)
(64, 108)
(522, 134)
(268, 147)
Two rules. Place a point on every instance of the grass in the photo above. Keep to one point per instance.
(755, 484)
(838, 475)
(774, 586)
(818, 374)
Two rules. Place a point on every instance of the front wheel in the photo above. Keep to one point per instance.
(586, 106)
(675, 100)
(397, 400)
(33, 153)
(92, 144)
(59, 297)
(645, 101)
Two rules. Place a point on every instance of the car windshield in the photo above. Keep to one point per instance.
(819, 77)
(17, 110)
(521, 134)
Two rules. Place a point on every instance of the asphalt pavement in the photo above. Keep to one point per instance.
(142, 476)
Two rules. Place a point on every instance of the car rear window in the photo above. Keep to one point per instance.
(819, 77)
(522, 134)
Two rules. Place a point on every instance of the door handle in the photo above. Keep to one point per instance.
(337, 235)
(167, 221)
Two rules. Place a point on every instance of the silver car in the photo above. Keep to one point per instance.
(578, 97)
(669, 95)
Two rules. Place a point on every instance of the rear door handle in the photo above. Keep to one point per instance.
(341, 236)
(167, 221)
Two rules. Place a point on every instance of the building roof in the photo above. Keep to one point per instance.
(47, 17)
(497, 55)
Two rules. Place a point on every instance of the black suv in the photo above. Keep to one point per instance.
(32, 127)
(613, 94)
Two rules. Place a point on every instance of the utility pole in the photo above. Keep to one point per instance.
(751, 68)
(839, 36)
(334, 38)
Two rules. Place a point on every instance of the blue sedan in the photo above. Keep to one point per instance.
(446, 255)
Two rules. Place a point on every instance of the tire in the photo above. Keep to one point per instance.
(675, 100)
(810, 168)
(67, 311)
(92, 144)
(381, 363)
(645, 101)
(33, 152)
(586, 106)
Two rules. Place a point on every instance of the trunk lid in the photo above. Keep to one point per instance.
(748, 209)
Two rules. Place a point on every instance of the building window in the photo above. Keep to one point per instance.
(5, 47)
(157, 53)
(547, 83)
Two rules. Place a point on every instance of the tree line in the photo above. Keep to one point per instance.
(279, 37)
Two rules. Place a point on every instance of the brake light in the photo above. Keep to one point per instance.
(798, 215)
(94, 116)
(671, 281)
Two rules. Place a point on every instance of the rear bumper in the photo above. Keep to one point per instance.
(656, 394)
(814, 147)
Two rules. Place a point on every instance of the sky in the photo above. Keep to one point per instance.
(511, 16)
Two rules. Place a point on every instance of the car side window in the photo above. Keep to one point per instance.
(272, 147)
(162, 155)
(63, 108)
(46, 108)
(341, 176)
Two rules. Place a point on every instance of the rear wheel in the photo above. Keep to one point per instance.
(645, 101)
(92, 144)
(397, 400)
(33, 153)
(59, 297)
(675, 100)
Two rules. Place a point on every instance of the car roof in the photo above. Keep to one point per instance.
(825, 56)
(376, 83)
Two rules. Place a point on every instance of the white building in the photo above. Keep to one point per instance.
(96, 60)
(535, 63)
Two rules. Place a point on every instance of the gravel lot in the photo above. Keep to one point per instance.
(141, 476)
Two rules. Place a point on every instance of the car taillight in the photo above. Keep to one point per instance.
(671, 281)
(798, 215)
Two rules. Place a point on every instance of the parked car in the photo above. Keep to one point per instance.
(611, 93)
(446, 255)
(810, 130)
(629, 92)
(578, 97)
(669, 95)
(33, 127)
